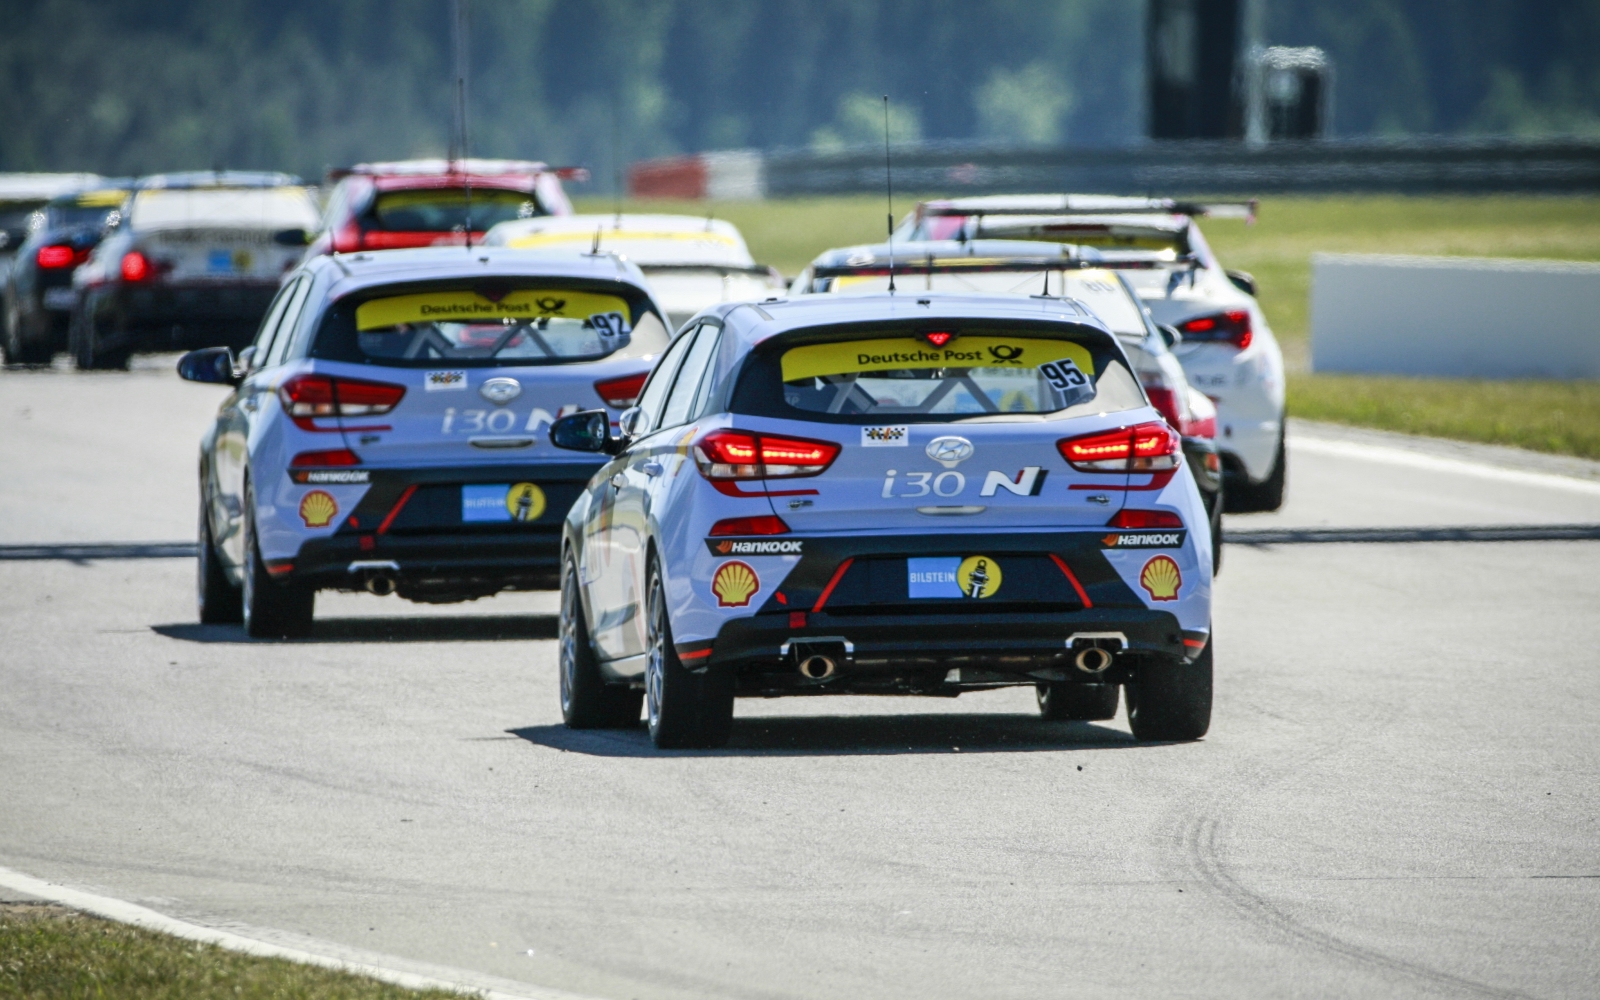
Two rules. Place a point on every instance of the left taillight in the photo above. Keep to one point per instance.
(1231, 327)
(137, 267)
(622, 392)
(59, 255)
(307, 397)
(727, 454)
(1149, 447)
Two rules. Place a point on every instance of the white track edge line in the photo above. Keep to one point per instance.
(1435, 463)
(125, 912)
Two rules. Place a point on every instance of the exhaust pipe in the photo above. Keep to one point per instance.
(377, 575)
(817, 667)
(380, 584)
(1092, 660)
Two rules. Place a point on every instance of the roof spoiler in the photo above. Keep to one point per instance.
(1199, 209)
(970, 265)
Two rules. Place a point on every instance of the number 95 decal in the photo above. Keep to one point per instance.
(1063, 374)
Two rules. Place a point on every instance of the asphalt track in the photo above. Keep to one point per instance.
(1400, 795)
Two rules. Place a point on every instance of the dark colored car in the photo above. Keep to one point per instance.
(38, 292)
(193, 261)
(419, 203)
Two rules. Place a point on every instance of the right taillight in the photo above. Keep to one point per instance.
(763, 524)
(56, 256)
(621, 392)
(1144, 519)
(1232, 327)
(136, 267)
(727, 454)
(1150, 447)
(307, 397)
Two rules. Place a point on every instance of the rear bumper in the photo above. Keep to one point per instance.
(442, 567)
(181, 315)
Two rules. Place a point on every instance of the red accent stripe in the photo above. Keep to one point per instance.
(730, 488)
(1083, 595)
(827, 591)
(1196, 643)
(797, 619)
(699, 654)
(1158, 480)
(396, 511)
(279, 569)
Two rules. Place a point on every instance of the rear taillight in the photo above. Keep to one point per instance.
(766, 524)
(1166, 403)
(742, 455)
(1232, 327)
(136, 267)
(621, 392)
(307, 397)
(57, 256)
(1145, 519)
(1151, 447)
(324, 459)
(347, 238)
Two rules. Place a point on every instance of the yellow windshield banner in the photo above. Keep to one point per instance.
(852, 356)
(470, 307)
(610, 236)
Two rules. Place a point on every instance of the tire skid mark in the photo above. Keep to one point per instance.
(1203, 833)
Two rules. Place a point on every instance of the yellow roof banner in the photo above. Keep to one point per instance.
(469, 307)
(609, 236)
(851, 356)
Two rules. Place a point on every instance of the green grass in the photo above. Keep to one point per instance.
(47, 953)
(1549, 416)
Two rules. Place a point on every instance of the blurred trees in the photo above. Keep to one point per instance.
(124, 86)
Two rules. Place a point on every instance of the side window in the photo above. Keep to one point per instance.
(655, 391)
(680, 403)
(269, 326)
(286, 326)
(707, 384)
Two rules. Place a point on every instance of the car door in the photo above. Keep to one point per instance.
(614, 530)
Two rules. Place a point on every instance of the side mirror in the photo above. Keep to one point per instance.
(214, 365)
(628, 423)
(586, 430)
(292, 238)
(1244, 281)
(1171, 335)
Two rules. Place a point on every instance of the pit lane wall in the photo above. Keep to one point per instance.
(1455, 316)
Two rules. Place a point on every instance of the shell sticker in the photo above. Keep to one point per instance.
(978, 576)
(525, 502)
(1161, 579)
(318, 509)
(734, 584)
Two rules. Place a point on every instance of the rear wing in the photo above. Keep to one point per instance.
(971, 265)
(1066, 205)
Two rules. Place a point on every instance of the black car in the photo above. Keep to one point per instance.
(38, 295)
(193, 261)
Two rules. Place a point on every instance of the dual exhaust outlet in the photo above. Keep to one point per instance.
(378, 576)
(818, 658)
(1093, 651)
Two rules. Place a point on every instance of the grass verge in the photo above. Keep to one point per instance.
(50, 953)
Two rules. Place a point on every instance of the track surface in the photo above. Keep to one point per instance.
(1400, 795)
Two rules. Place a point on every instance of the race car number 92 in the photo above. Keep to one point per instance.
(1063, 374)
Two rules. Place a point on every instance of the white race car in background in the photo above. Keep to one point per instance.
(692, 262)
(1228, 350)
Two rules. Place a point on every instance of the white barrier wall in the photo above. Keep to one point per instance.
(1455, 316)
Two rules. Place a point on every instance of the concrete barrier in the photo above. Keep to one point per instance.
(1455, 316)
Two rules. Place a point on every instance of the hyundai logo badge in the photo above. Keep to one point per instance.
(949, 451)
(500, 391)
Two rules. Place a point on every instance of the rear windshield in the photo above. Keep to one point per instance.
(488, 324)
(868, 374)
(443, 210)
(264, 208)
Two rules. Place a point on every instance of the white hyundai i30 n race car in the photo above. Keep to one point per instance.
(388, 427)
(920, 493)
(1228, 350)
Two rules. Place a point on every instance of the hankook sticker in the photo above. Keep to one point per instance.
(755, 546)
(1144, 539)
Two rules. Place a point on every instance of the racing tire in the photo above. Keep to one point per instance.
(1245, 497)
(83, 338)
(1216, 531)
(20, 350)
(1170, 700)
(271, 610)
(218, 600)
(587, 701)
(686, 710)
(1066, 701)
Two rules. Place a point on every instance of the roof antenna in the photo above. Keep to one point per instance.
(595, 248)
(888, 183)
(461, 105)
(616, 160)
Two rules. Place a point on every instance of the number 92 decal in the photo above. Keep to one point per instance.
(611, 324)
(1063, 374)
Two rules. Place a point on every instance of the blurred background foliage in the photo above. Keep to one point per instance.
(128, 86)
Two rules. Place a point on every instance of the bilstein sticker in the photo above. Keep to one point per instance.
(466, 307)
(853, 356)
(444, 381)
(734, 584)
(755, 547)
(525, 502)
(979, 576)
(1161, 579)
(318, 509)
(1144, 540)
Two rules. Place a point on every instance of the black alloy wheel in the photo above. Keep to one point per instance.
(272, 610)
(686, 710)
(217, 599)
(587, 701)
(1069, 701)
(1169, 699)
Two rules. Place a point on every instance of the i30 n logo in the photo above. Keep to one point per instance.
(949, 451)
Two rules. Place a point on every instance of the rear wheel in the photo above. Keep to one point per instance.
(19, 349)
(218, 599)
(1216, 529)
(84, 339)
(587, 701)
(272, 610)
(1081, 702)
(1169, 699)
(1245, 497)
(686, 710)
